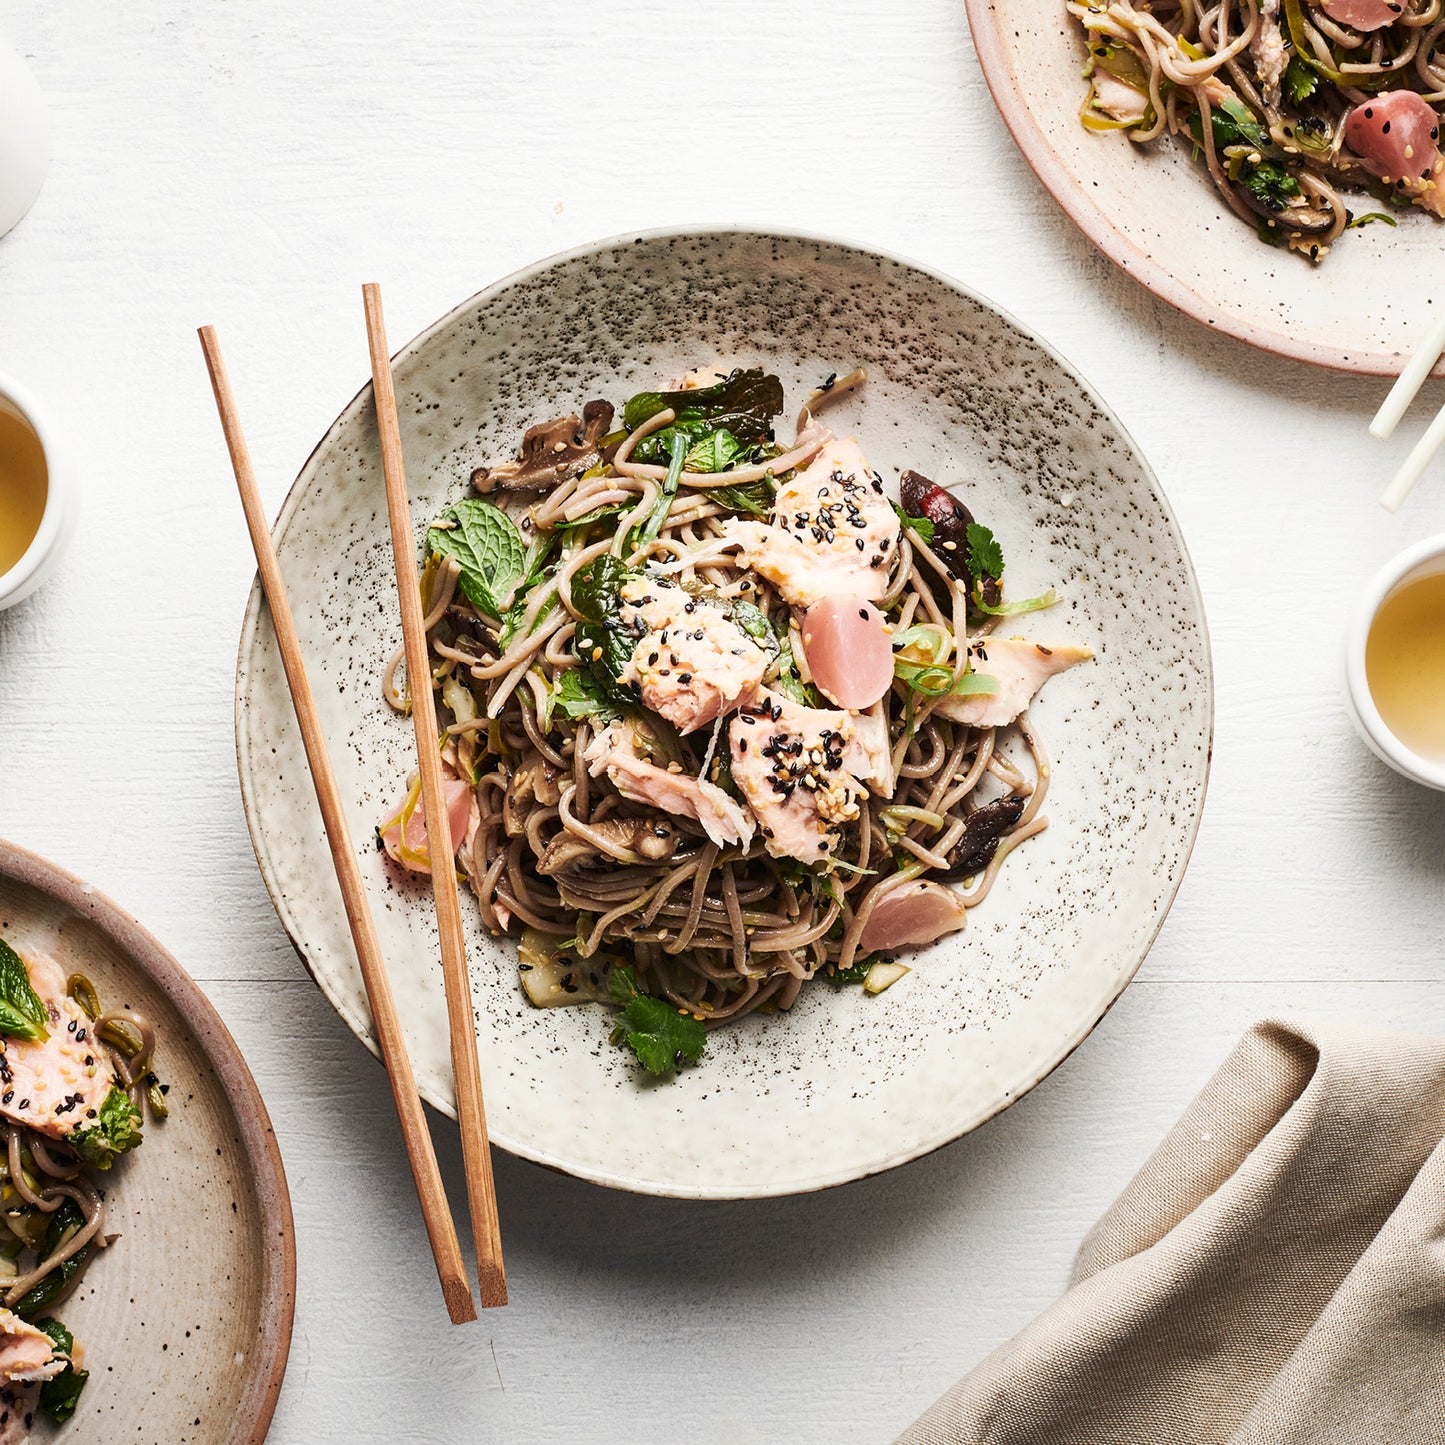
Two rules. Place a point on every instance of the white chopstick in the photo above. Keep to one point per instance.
(1409, 383)
(1414, 465)
(1404, 391)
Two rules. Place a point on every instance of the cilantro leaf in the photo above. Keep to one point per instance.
(1233, 123)
(485, 543)
(1270, 184)
(1300, 82)
(652, 1028)
(115, 1131)
(985, 556)
(22, 1015)
(922, 525)
(58, 1396)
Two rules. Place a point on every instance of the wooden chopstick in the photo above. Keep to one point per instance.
(430, 1191)
(471, 1115)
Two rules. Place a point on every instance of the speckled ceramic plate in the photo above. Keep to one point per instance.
(1153, 213)
(843, 1085)
(186, 1320)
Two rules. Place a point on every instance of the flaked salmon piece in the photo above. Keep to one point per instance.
(869, 755)
(833, 530)
(1021, 668)
(619, 751)
(54, 1086)
(27, 1354)
(789, 762)
(692, 663)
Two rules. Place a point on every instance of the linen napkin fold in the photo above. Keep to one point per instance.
(1274, 1275)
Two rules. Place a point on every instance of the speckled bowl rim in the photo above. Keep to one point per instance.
(267, 1369)
(360, 1025)
(1139, 265)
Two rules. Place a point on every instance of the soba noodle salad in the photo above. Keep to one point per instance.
(1291, 105)
(75, 1082)
(723, 716)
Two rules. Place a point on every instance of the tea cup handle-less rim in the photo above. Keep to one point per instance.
(1424, 558)
(39, 558)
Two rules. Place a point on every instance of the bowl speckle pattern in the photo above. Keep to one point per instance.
(186, 1319)
(844, 1085)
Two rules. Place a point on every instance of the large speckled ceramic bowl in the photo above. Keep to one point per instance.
(186, 1319)
(844, 1084)
(1154, 213)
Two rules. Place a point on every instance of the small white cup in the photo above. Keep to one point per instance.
(39, 558)
(1421, 560)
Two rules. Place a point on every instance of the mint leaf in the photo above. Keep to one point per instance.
(652, 1028)
(22, 1015)
(716, 452)
(116, 1130)
(577, 694)
(985, 556)
(753, 498)
(58, 1396)
(487, 546)
(1270, 184)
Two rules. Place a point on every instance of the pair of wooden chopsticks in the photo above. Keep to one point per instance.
(476, 1154)
(1410, 380)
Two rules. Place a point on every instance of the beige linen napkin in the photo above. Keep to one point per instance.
(1275, 1273)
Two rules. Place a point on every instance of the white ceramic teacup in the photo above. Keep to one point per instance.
(1421, 560)
(40, 557)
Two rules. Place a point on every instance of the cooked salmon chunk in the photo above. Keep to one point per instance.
(790, 762)
(620, 750)
(833, 531)
(54, 1086)
(1021, 668)
(26, 1353)
(692, 663)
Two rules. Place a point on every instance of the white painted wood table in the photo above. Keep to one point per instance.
(250, 165)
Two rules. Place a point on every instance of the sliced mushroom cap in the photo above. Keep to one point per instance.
(982, 834)
(918, 912)
(634, 840)
(1303, 219)
(535, 781)
(552, 452)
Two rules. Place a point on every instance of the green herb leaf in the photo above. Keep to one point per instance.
(602, 514)
(985, 556)
(1233, 123)
(578, 694)
(752, 620)
(753, 498)
(58, 1396)
(63, 1223)
(922, 525)
(116, 1130)
(22, 1015)
(601, 642)
(486, 544)
(716, 452)
(1270, 184)
(1300, 82)
(652, 1028)
(744, 404)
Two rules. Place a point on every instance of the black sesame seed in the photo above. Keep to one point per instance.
(1385, 129)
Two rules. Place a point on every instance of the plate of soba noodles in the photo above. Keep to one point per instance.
(1272, 168)
(147, 1257)
(824, 707)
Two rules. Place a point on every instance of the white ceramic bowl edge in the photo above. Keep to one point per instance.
(1423, 558)
(39, 558)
